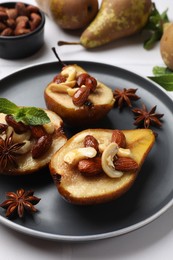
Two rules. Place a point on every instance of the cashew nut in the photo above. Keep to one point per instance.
(18, 138)
(124, 153)
(107, 161)
(103, 144)
(69, 71)
(62, 87)
(71, 91)
(78, 154)
(25, 148)
(49, 127)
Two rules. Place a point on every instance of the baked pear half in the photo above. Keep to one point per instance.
(100, 165)
(26, 148)
(77, 97)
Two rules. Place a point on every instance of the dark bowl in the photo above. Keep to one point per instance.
(22, 46)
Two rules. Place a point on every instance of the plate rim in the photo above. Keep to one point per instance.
(85, 238)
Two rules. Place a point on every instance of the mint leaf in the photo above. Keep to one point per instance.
(163, 76)
(165, 80)
(27, 115)
(7, 107)
(154, 37)
(155, 26)
(31, 116)
(158, 71)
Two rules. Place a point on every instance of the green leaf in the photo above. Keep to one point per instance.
(155, 26)
(32, 116)
(158, 71)
(164, 16)
(154, 37)
(7, 107)
(165, 80)
(27, 115)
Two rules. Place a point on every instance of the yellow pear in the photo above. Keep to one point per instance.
(84, 188)
(116, 19)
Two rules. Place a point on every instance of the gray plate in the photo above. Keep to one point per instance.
(152, 193)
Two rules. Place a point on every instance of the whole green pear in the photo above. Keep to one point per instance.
(116, 19)
(166, 45)
(70, 14)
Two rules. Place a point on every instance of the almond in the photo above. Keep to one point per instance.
(41, 146)
(32, 9)
(82, 78)
(59, 78)
(12, 13)
(7, 32)
(3, 15)
(2, 26)
(21, 9)
(125, 164)
(81, 96)
(18, 127)
(91, 82)
(119, 138)
(91, 141)
(90, 167)
(37, 131)
(3, 128)
(35, 21)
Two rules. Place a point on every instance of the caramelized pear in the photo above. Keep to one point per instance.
(27, 149)
(82, 188)
(77, 97)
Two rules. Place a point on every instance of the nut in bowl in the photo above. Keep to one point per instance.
(21, 30)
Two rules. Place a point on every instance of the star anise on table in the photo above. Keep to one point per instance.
(8, 152)
(125, 97)
(145, 118)
(19, 202)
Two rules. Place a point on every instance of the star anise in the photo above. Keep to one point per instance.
(145, 118)
(8, 152)
(18, 202)
(125, 96)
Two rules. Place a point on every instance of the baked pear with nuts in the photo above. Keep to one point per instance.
(77, 97)
(29, 136)
(99, 165)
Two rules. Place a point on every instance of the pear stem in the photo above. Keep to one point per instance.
(60, 43)
(57, 56)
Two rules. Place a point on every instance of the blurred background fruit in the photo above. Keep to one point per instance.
(70, 14)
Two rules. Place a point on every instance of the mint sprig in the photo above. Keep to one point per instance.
(163, 76)
(7, 107)
(159, 71)
(155, 26)
(27, 115)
